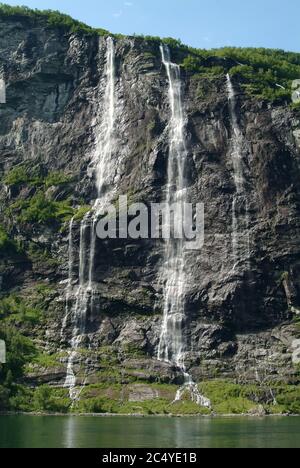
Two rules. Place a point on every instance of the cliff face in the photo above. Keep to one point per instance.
(239, 311)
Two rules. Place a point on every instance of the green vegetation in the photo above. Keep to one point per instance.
(39, 209)
(46, 361)
(17, 310)
(7, 245)
(230, 398)
(26, 308)
(18, 176)
(36, 176)
(52, 18)
(24, 174)
(57, 179)
(117, 387)
(20, 350)
(42, 206)
(288, 398)
(151, 407)
(81, 212)
(263, 73)
(43, 399)
(226, 398)
(47, 399)
(19, 313)
(108, 398)
(174, 44)
(41, 255)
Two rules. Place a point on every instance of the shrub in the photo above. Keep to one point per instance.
(48, 361)
(24, 174)
(81, 212)
(21, 399)
(172, 43)
(16, 309)
(192, 63)
(42, 398)
(41, 255)
(16, 176)
(51, 400)
(230, 398)
(263, 73)
(93, 405)
(39, 209)
(4, 397)
(234, 406)
(262, 70)
(20, 350)
(56, 179)
(7, 245)
(289, 398)
(245, 71)
(53, 18)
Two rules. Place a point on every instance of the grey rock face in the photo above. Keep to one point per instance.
(238, 320)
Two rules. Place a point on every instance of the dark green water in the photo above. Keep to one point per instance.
(126, 432)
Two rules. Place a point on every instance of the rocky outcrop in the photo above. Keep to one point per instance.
(239, 320)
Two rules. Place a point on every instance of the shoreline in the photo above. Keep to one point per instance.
(152, 416)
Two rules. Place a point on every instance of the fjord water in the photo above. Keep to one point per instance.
(155, 432)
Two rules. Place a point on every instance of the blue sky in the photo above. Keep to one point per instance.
(199, 23)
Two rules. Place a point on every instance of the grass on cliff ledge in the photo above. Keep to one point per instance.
(227, 398)
(47, 198)
(35, 175)
(230, 398)
(39, 209)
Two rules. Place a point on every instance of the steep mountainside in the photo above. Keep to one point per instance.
(242, 292)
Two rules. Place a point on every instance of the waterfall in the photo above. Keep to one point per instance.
(70, 276)
(104, 168)
(103, 163)
(240, 215)
(2, 91)
(172, 346)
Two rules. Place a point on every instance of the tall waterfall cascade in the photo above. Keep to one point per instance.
(240, 215)
(172, 346)
(103, 166)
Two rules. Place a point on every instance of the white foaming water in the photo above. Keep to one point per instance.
(172, 346)
(103, 162)
(240, 216)
(70, 276)
(104, 168)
